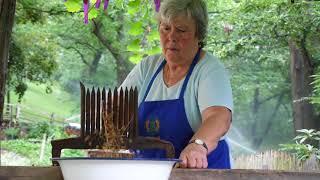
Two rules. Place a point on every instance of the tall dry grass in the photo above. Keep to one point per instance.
(275, 160)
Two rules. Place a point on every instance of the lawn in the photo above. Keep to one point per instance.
(36, 107)
(37, 101)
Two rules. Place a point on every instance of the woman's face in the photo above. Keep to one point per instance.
(178, 39)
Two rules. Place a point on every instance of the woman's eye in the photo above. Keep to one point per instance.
(165, 28)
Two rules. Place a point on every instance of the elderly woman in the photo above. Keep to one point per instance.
(184, 94)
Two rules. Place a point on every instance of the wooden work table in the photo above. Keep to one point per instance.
(54, 173)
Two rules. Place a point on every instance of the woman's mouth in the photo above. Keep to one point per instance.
(172, 49)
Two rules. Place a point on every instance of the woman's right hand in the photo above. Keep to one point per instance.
(194, 156)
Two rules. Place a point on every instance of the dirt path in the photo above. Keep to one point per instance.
(12, 159)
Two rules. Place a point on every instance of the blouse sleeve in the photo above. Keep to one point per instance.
(135, 77)
(214, 88)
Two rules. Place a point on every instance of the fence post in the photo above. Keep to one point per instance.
(18, 110)
(43, 145)
(11, 114)
(52, 118)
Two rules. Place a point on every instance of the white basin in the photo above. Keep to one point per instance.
(84, 168)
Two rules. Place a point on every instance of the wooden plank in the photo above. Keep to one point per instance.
(54, 173)
(240, 174)
(98, 111)
(93, 111)
(109, 106)
(87, 112)
(104, 107)
(82, 115)
(135, 112)
(121, 115)
(115, 109)
(109, 102)
(30, 173)
(131, 114)
(126, 109)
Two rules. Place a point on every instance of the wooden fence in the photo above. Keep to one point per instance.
(15, 114)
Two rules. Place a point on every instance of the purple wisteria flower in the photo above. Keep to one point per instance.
(98, 4)
(86, 10)
(106, 3)
(157, 4)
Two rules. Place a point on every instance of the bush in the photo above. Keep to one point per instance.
(12, 133)
(52, 131)
(30, 148)
(306, 144)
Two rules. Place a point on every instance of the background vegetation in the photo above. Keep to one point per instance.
(264, 44)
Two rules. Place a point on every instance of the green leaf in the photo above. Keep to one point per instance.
(134, 3)
(135, 58)
(306, 131)
(93, 13)
(154, 50)
(133, 11)
(302, 140)
(93, 2)
(73, 5)
(153, 36)
(133, 7)
(136, 28)
(309, 147)
(134, 46)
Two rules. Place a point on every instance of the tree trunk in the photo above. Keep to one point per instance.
(258, 140)
(7, 11)
(255, 109)
(94, 64)
(123, 65)
(301, 68)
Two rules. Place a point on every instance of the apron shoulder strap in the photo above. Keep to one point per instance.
(194, 62)
(186, 80)
(153, 78)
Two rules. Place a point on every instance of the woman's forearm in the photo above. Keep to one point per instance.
(216, 122)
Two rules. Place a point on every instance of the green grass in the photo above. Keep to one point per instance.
(30, 148)
(36, 106)
(58, 102)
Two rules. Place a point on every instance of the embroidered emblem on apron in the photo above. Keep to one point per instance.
(152, 127)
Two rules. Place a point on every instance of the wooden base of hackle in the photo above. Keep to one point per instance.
(108, 153)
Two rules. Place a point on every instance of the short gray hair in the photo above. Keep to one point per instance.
(195, 9)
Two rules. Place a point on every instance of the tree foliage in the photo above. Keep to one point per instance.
(36, 63)
(251, 37)
(137, 19)
(33, 51)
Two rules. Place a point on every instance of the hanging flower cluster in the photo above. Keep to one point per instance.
(98, 3)
(86, 6)
(157, 4)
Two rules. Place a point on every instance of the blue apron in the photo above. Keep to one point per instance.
(167, 120)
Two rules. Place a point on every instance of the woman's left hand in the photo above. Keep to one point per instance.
(194, 156)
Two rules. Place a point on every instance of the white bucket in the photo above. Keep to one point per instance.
(115, 169)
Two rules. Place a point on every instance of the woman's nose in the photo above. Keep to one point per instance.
(172, 35)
